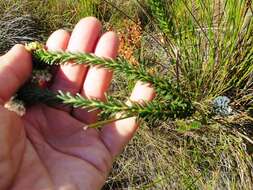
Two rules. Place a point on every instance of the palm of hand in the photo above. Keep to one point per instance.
(61, 152)
(48, 148)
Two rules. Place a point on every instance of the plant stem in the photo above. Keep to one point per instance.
(162, 85)
(154, 110)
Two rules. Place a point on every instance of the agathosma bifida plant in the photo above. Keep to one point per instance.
(170, 103)
(209, 55)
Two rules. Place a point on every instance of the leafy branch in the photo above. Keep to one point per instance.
(155, 110)
(168, 104)
(158, 8)
(162, 85)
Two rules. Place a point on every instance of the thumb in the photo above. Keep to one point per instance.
(15, 68)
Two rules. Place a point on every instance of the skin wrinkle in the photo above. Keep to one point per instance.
(100, 168)
(78, 158)
(32, 142)
(75, 155)
(80, 130)
(107, 148)
(47, 122)
(31, 165)
(6, 180)
(14, 150)
(43, 163)
(5, 166)
(32, 122)
(57, 149)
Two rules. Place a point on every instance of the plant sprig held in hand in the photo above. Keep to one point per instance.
(171, 106)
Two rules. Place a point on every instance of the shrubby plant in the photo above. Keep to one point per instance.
(207, 60)
(201, 42)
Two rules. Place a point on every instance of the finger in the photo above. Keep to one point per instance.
(58, 41)
(98, 79)
(15, 69)
(118, 134)
(83, 39)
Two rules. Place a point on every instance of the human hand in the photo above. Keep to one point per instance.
(48, 148)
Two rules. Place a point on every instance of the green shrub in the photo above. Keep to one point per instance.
(184, 144)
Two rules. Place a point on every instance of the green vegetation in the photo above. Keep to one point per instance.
(198, 55)
(32, 20)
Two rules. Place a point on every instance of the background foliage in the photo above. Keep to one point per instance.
(204, 47)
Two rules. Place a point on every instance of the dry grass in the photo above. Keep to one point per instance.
(16, 27)
(158, 159)
(215, 156)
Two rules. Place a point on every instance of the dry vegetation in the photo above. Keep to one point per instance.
(192, 153)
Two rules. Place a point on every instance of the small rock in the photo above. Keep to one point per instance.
(221, 106)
